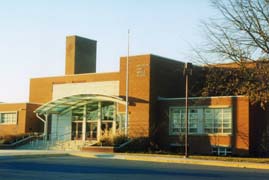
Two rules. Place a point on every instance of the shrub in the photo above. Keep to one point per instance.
(140, 144)
(108, 139)
(120, 139)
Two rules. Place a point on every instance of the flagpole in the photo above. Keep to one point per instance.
(127, 86)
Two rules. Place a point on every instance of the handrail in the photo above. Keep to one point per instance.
(18, 141)
(57, 140)
(125, 144)
(58, 136)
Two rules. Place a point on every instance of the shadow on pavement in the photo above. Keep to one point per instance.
(92, 169)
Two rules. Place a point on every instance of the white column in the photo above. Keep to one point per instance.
(57, 127)
(46, 127)
(84, 123)
(99, 122)
(114, 119)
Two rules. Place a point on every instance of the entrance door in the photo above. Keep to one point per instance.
(91, 130)
(76, 130)
(106, 126)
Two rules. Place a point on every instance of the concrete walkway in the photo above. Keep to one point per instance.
(133, 157)
(32, 153)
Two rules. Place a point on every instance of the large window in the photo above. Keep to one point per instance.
(8, 117)
(202, 120)
(108, 111)
(218, 120)
(193, 120)
(177, 120)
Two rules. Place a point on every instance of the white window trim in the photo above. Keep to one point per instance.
(203, 120)
(4, 112)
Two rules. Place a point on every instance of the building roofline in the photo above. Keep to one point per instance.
(69, 75)
(193, 98)
(10, 103)
(150, 54)
(76, 36)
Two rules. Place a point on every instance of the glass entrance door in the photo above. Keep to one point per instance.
(76, 130)
(106, 126)
(99, 118)
(91, 130)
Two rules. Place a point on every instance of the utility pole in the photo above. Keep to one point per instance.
(187, 73)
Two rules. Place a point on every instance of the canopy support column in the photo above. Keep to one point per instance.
(99, 123)
(46, 127)
(45, 121)
(84, 123)
(114, 119)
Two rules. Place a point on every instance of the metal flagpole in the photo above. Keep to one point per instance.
(127, 86)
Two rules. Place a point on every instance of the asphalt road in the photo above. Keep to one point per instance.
(75, 168)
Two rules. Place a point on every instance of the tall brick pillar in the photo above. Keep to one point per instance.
(80, 55)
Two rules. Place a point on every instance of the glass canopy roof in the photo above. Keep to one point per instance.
(66, 104)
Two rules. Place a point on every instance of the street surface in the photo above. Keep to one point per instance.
(76, 168)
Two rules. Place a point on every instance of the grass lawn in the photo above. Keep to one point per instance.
(220, 158)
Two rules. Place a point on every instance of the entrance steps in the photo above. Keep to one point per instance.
(73, 145)
(67, 145)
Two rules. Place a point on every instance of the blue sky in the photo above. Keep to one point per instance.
(32, 38)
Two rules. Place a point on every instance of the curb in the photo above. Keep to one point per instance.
(131, 157)
(173, 160)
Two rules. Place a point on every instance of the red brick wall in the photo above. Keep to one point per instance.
(41, 88)
(259, 131)
(166, 81)
(241, 125)
(139, 97)
(25, 119)
(33, 124)
(150, 76)
(11, 129)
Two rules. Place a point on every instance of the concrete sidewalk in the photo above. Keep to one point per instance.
(167, 159)
(133, 157)
(32, 153)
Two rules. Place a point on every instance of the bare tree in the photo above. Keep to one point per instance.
(241, 33)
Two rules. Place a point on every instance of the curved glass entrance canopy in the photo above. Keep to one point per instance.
(81, 117)
(66, 104)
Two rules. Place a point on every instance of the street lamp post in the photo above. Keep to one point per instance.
(187, 73)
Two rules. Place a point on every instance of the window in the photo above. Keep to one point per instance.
(108, 110)
(227, 121)
(201, 120)
(221, 150)
(193, 120)
(120, 122)
(217, 120)
(8, 117)
(177, 120)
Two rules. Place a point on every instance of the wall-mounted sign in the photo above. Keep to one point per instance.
(141, 70)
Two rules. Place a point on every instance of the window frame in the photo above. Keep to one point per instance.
(9, 122)
(203, 120)
(182, 120)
